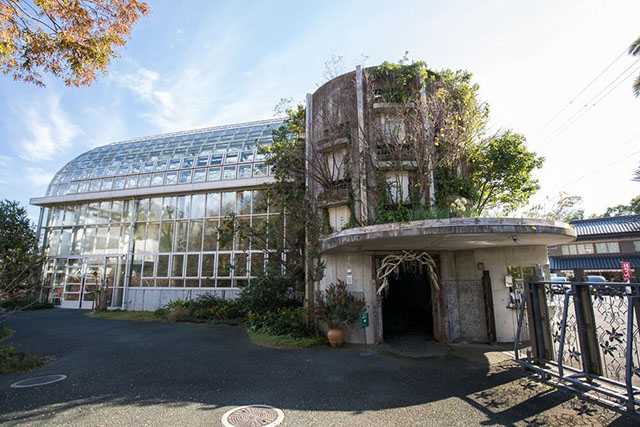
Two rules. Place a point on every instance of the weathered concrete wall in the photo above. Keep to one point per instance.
(149, 299)
(496, 260)
(361, 268)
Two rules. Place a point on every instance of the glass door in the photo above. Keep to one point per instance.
(93, 280)
(72, 285)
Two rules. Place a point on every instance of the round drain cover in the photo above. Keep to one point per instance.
(36, 381)
(253, 416)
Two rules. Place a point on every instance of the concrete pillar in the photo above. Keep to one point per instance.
(361, 200)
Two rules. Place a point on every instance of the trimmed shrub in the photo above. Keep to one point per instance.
(286, 321)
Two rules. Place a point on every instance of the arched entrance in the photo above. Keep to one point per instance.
(408, 282)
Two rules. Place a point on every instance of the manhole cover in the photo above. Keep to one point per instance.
(36, 381)
(253, 416)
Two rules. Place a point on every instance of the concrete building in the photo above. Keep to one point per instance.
(472, 295)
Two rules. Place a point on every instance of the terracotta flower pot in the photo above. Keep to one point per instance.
(335, 337)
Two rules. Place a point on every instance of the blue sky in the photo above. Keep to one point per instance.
(202, 63)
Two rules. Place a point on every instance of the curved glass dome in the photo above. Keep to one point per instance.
(211, 154)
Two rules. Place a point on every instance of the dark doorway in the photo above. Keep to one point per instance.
(407, 306)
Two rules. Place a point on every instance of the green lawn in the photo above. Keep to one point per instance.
(285, 341)
(140, 316)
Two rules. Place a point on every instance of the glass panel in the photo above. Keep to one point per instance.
(192, 265)
(199, 175)
(78, 235)
(89, 240)
(166, 237)
(213, 205)
(142, 207)
(118, 184)
(197, 206)
(244, 171)
(155, 209)
(182, 207)
(65, 242)
(224, 265)
(214, 174)
(103, 213)
(259, 202)
(176, 265)
(228, 203)
(116, 211)
(147, 270)
(260, 169)
(257, 263)
(229, 172)
(185, 177)
(242, 233)
(210, 235)
(181, 236)
(613, 247)
(225, 238)
(208, 261)
(92, 213)
(113, 243)
(244, 202)
(163, 266)
(195, 236)
(132, 182)
(157, 179)
(144, 181)
(126, 210)
(139, 235)
(136, 271)
(239, 264)
(171, 178)
(153, 231)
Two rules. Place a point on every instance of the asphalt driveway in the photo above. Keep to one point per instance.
(152, 373)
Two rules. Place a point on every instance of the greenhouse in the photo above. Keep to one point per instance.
(142, 217)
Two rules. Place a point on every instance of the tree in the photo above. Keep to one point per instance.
(20, 263)
(500, 171)
(566, 208)
(71, 39)
(634, 50)
(632, 208)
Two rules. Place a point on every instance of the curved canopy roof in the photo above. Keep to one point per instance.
(222, 152)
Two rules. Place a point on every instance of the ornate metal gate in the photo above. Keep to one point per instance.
(585, 334)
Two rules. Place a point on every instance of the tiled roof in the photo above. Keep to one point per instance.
(593, 262)
(620, 226)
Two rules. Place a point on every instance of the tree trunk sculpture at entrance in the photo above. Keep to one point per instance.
(391, 264)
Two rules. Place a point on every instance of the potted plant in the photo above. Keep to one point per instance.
(337, 307)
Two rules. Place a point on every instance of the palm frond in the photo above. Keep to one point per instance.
(634, 49)
(636, 86)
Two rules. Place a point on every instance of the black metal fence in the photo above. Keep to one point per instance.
(585, 334)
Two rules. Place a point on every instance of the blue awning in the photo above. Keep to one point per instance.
(593, 262)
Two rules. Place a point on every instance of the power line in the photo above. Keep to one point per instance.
(582, 111)
(628, 141)
(579, 93)
(626, 157)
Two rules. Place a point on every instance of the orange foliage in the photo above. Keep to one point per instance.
(71, 39)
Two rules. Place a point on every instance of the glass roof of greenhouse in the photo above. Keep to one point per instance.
(210, 154)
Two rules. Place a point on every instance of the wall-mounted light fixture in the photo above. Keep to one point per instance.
(515, 239)
(481, 266)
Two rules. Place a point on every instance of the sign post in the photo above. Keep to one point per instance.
(364, 322)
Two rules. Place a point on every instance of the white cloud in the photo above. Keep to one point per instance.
(38, 176)
(4, 160)
(47, 131)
